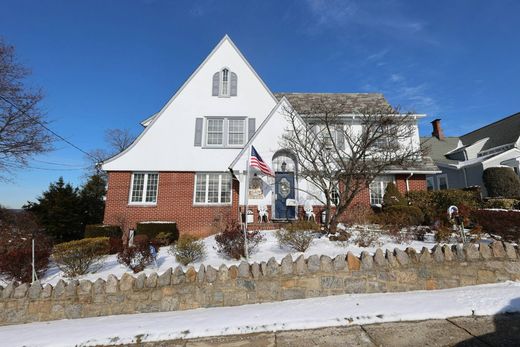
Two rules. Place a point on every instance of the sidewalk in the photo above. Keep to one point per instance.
(499, 331)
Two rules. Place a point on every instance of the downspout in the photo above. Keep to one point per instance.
(407, 183)
(465, 177)
(235, 178)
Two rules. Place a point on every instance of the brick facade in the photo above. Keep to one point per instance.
(175, 202)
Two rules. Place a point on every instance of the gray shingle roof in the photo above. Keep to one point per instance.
(352, 102)
(437, 149)
(502, 132)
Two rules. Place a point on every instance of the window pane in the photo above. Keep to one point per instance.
(237, 131)
(225, 82)
(213, 188)
(443, 182)
(377, 189)
(225, 189)
(200, 188)
(215, 131)
(151, 188)
(137, 188)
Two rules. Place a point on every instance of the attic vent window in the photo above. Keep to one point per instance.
(225, 83)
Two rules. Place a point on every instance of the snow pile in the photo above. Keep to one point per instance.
(341, 310)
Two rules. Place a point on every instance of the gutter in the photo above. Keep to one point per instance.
(407, 183)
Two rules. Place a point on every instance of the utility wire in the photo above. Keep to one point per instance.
(47, 128)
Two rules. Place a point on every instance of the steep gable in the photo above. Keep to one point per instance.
(167, 143)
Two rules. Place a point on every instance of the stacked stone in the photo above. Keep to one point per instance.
(179, 289)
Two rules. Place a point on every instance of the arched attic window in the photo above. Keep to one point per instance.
(224, 83)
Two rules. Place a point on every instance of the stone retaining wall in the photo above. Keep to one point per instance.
(443, 267)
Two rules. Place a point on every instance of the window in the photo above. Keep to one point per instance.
(377, 189)
(212, 188)
(334, 195)
(237, 131)
(224, 83)
(442, 181)
(215, 132)
(144, 188)
(429, 183)
(226, 132)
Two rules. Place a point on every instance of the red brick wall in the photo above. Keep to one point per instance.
(174, 203)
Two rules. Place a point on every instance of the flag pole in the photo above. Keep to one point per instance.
(246, 202)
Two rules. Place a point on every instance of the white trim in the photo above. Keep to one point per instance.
(160, 113)
(143, 201)
(439, 183)
(225, 132)
(221, 83)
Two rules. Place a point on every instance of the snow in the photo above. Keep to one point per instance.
(341, 310)
(267, 249)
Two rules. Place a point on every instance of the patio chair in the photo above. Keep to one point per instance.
(309, 213)
(262, 213)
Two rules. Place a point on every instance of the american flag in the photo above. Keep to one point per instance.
(256, 161)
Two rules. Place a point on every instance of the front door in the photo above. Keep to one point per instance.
(284, 189)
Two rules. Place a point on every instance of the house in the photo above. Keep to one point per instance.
(189, 163)
(463, 159)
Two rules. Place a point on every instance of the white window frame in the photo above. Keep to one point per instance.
(144, 191)
(206, 191)
(432, 181)
(382, 186)
(225, 132)
(221, 83)
(445, 176)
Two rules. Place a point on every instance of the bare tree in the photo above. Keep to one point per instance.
(117, 140)
(341, 155)
(22, 132)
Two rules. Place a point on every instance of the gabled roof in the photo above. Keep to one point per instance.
(502, 132)
(354, 103)
(438, 148)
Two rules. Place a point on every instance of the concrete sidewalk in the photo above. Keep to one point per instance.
(500, 330)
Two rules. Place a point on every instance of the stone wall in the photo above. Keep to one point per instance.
(443, 267)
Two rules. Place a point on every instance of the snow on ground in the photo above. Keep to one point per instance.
(312, 313)
(267, 249)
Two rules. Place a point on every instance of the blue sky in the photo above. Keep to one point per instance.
(109, 64)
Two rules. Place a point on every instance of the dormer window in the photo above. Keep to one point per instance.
(224, 83)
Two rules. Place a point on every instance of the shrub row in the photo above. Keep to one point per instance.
(505, 224)
(165, 231)
(100, 230)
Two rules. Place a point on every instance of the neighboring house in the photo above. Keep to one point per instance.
(189, 163)
(463, 159)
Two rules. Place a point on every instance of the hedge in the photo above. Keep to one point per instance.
(78, 257)
(505, 224)
(100, 230)
(501, 182)
(153, 229)
(507, 204)
(435, 203)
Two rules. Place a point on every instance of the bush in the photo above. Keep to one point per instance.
(231, 241)
(100, 230)
(393, 197)
(76, 258)
(402, 215)
(162, 239)
(188, 249)
(16, 230)
(152, 230)
(115, 245)
(358, 214)
(507, 204)
(297, 236)
(137, 257)
(505, 224)
(501, 182)
(434, 204)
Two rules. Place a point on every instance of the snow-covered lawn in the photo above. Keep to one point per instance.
(338, 310)
(267, 249)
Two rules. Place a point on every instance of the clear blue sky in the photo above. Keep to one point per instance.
(111, 63)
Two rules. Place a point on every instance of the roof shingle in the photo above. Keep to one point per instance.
(352, 102)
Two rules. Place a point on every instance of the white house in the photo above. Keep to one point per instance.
(189, 163)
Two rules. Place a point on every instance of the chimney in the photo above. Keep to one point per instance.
(437, 129)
